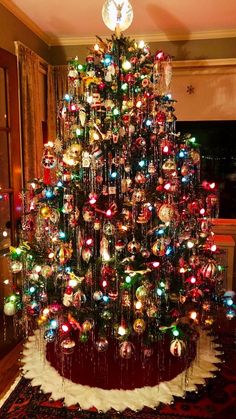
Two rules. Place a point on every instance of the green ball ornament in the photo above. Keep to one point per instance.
(83, 338)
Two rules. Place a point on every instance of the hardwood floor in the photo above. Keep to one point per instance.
(9, 368)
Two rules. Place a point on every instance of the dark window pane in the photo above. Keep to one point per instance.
(217, 140)
(5, 216)
(3, 107)
(4, 160)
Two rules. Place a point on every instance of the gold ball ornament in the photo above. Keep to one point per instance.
(142, 293)
(166, 213)
(169, 167)
(139, 326)
(45, 211)
(87, 325)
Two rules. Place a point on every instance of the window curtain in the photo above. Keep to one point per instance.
(32, 133)
(57, 87)
(32, 139)
(61, 81)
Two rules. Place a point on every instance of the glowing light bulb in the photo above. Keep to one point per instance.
(190, 244)
(126, 65)
(72, 283)
(213, 248)
(54, 324)
(155, 264)
(138, 305)
(229, 302)
(65, 328)
(175, 332)
(193, 315)
(192, 280)
(166, 149)
(121, 330)
(141, 44)
(128, 279)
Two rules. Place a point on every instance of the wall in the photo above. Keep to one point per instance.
(214, 86)
(12, 29)
(180, 50)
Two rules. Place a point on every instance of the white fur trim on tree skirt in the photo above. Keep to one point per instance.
(42, 374)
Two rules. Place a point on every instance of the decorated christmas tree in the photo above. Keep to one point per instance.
(117, 254)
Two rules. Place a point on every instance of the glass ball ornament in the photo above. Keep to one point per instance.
(45, 211)
(109, 229)
(68, 346)
(16, 266)
(177, 347)
(106, 315)
(97, 295)
(166, 213)
(209, 269)
(139, 326)
(9, 308)
(126, 350)
(142, 293)
(101, 344)
(87, 325)
(134, 247)
(117, 13)
(50, 335)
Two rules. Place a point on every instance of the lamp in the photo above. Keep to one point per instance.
(117, 15)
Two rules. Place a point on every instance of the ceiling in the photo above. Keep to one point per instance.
(74, 22)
